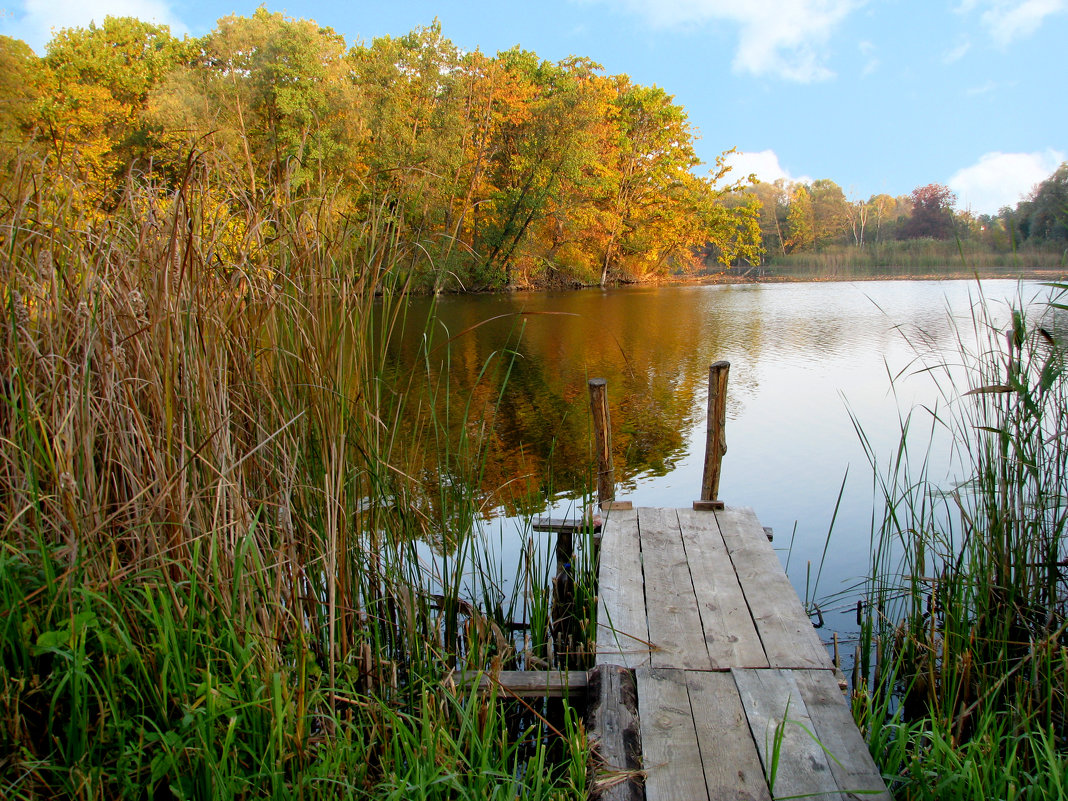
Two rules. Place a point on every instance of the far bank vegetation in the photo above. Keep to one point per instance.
(495, 172)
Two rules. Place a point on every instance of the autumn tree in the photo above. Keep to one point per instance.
(799, 221)
(270, 92)
(773, 201)
(20, 79)
(655, 204)
(857, 213)
(96, 86)
(829, 215)
(490, 171)
(541, 157)
(932, 213)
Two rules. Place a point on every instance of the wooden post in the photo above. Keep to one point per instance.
(716, 443)
(606, 488)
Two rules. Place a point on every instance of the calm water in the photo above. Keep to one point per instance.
(802, 356)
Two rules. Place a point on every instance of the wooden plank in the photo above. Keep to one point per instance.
(785, 630)
(674, 622)
(527, 683)
(671, 754)
(854, 770)
(622, 629)
(708, 506)
(729, 632)
(616, 734)
(794, 763)
(731, 763)
(569, 525)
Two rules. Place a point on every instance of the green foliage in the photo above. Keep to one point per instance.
(1044, 215)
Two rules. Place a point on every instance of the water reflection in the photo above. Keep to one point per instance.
(801, 356)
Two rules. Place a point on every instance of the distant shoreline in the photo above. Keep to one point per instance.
(766, 277)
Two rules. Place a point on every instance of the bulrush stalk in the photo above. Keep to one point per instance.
(968, 580)
(237, 547)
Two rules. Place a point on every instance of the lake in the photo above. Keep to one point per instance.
(804, 357)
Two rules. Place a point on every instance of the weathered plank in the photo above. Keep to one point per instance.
(674, 622)
(616, 733)
(785, 630)
(730, 636)
(730, 762)
(569, 525)
(794, 763)
(622, 629)
(527, 683)
(671, 754)
(853, 768)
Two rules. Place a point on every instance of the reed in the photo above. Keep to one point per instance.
(914, 258)
(964, 669)
(239, 556)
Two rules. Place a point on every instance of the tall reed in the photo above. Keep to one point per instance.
(221, 572)
(964, 636)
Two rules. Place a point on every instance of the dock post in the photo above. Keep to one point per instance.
(716, 442)
(606, 488)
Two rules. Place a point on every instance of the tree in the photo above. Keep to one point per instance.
(774, 201)
(20, 77)
(799, 224)
(271, 93)
(932, 213)
(858, 212)
(542, 156)
(1048, 207)
(653, 206)
(884, 207)
(98, 82)
(829, 215)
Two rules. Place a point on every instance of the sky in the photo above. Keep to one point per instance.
(876, 95)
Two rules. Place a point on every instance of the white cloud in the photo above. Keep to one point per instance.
(764, 164)
(868, 50)
(787, 38)
(1002, 179)
(1009, 20)
(957, 52)
(34, 21)
(988, 87)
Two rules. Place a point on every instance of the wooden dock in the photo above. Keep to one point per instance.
(736, 695)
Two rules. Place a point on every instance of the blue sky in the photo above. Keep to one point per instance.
(877, 95)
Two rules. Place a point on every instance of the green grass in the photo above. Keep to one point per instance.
(213, 490)
(967, 597)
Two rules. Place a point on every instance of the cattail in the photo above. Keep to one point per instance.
(137, 303)
(22, 312)
(67, 483)
(285, 518)
(82, 315)
(45, 267)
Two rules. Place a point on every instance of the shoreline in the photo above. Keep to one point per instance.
(1029, 274)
